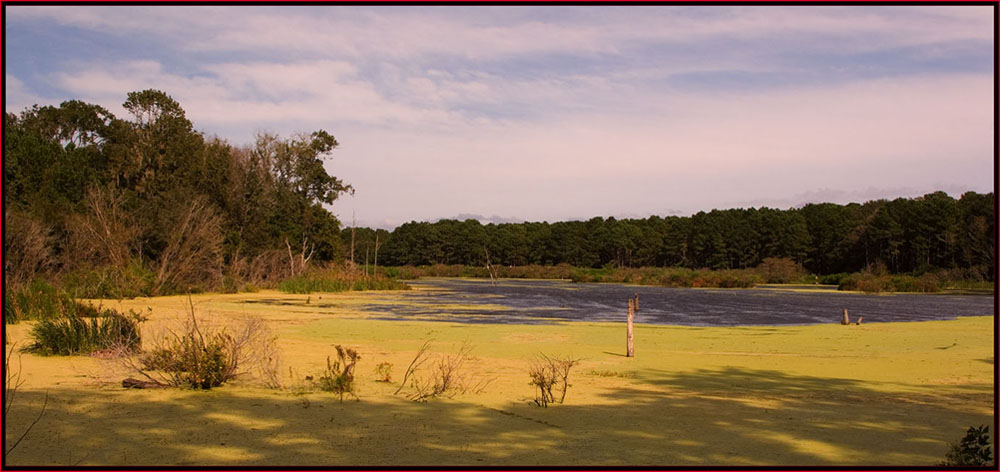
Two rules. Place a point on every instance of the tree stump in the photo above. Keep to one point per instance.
(630, 347)
(859, 320)
(846, 320)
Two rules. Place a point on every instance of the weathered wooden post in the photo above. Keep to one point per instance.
(631, 313)
(846, 320)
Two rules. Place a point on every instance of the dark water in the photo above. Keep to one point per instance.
(541, 301)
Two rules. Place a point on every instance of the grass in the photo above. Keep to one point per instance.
(73, 334)
(338, 282)
(696, 278)
(612, 373)
(820, 395)
(37, 300)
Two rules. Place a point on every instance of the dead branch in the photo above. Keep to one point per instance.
(417, 361)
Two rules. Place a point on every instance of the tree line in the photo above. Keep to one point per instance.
(907, 235)
(146, 204)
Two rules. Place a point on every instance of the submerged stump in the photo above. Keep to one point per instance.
(630, 347)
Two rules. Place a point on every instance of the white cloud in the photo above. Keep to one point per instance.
(438, 114)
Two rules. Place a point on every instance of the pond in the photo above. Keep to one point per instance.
(544, 301)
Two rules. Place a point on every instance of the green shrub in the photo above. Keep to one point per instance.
(339, 375)
(36, 301)
(192, 360)
(833, 279)
(131, 281)
(75, 333)
(972, 450)
(204, 354)
(925, 283)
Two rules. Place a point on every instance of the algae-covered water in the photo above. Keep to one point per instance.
(542, 301)
(877, 394)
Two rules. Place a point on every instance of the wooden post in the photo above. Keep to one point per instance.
(636, 296)
(846, 320)
(631, 313)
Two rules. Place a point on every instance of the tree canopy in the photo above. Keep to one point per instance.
(907, 235)
(150, 202)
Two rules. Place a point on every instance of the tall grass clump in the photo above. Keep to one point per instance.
(338, 281)
(130, 281)
(85, 330)
(530, 271)
(36, 300)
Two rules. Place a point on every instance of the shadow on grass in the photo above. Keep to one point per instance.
(726, 417)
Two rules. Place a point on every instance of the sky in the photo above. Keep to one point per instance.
(549, 113)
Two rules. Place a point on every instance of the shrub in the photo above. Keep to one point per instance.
(383, 372)
(132, 280)
(200, 354)
(75, 333)
(447, 377)
(833, 279)
(339, 375)
(872, 283)
(547, 373)
(972, 450)
(192, 360)
(783, 270)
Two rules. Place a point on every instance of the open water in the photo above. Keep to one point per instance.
(542, 301)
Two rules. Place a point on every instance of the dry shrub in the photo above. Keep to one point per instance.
(202, 354)
(193, 254)
(105, 234)
(550, 372)
(447, 376)
(26, 249)
(265, 269)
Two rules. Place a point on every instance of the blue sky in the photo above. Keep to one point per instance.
(552, 113)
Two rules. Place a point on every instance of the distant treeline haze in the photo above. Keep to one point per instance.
(918, 235)
(146, 204)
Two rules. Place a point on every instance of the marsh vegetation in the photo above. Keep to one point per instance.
(875, 394)
(139, 253)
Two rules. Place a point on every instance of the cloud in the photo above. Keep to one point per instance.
(557, 112)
